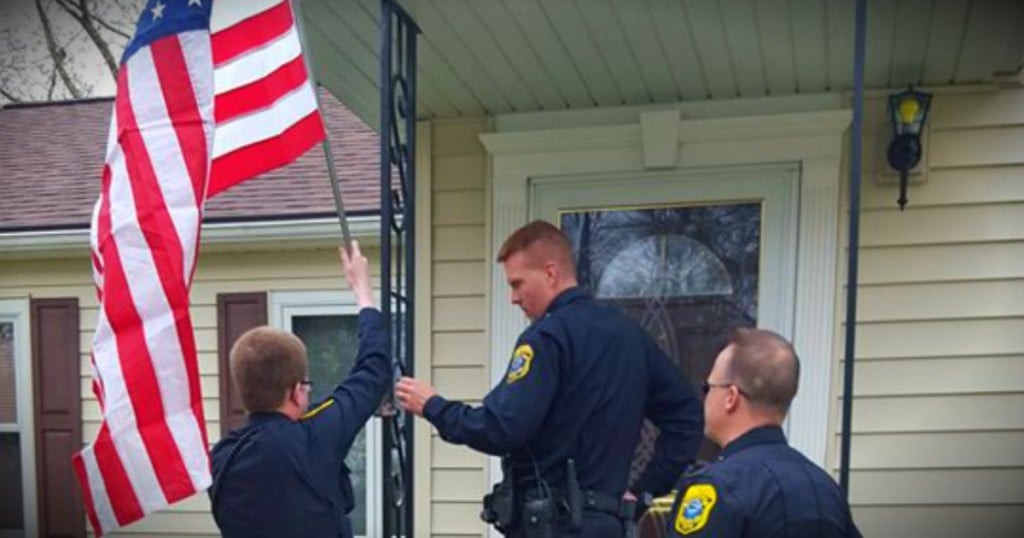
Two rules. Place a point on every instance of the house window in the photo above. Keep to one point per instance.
(16, 454)
(325, 321)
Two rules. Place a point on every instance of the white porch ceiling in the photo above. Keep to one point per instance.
(484, 57)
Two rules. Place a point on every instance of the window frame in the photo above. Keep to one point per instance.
(284, 306)
(16, 312)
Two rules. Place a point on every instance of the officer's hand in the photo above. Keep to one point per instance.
(413, 394)
(357, 273)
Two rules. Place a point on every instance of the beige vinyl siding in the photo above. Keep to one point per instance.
(938, 433)
(218, 272)
(459, 349)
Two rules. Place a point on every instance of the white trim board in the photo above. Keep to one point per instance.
(55, 243)
(811, 141)
(16, 311)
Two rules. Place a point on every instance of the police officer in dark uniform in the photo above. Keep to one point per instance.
(282, 474)
(567, 415)
(760, 486)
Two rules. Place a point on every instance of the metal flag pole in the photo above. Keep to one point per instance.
(339, 203)
(853, 245)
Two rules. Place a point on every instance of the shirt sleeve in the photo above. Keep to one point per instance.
(337, 420)
(514, 410)
(673, 406)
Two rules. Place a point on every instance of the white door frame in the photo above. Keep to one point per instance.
(16, 311)
(659, 140)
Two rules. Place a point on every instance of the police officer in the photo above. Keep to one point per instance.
(282, 474)
(759, 487)
(568, 412)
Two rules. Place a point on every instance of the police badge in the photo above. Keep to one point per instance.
(695, 508)
(519, 366)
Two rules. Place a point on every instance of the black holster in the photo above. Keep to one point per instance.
(500, 505)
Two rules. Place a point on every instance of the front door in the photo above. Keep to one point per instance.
(688, 254)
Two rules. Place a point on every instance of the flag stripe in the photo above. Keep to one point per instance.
(255, 65)
(227, 13)
(123, 505)
(128, 446)
(173, 81)
(264, 124)
(169, 219)
(266, 155)
(89, 488)
(251, 33)
(262, 93)
(139, 374)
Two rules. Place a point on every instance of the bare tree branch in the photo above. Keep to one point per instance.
(53, 85)
(56, 53)
(9, 96)
(75, 10)
(79, 10)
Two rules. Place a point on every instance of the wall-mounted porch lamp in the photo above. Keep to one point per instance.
(908, 111)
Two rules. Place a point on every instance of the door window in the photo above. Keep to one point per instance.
(688, 274)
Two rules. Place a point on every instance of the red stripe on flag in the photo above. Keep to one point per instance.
(83, 484)
(188, 124)
(251, 33)
(180, 99)
(119, 489)
(136, 362)
(261, 93)
(266, 155)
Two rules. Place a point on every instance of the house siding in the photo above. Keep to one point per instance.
(459, 349)
(938, 437)
(218, 272)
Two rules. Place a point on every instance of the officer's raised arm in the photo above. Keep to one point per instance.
(354, 400)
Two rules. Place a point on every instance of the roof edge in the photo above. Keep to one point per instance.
(65, 102)
(43, 243)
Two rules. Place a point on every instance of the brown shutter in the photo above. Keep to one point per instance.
(58, 415)
(236, 313)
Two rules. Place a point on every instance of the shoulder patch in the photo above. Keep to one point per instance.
(519, 366)
(695, 508)
(313, 412)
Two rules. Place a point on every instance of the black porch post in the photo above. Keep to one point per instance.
(853, 246)
(398, 250)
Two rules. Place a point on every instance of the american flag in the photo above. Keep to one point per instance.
(206, 98)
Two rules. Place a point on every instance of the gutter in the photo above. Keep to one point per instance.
(53, 243)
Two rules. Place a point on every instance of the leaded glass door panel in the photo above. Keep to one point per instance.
(688, 255)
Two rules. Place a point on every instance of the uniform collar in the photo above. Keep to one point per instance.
(264, 417)
(568, 296)
(757, 436)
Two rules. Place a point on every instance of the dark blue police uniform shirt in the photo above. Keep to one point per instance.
(579, 384)
(760, 487)
(288, 477)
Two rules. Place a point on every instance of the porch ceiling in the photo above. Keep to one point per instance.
(482, 57)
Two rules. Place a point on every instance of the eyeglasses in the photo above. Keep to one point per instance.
(706, 387)
(306, 383)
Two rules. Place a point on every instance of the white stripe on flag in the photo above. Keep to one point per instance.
(226, 14)
(201, 75)
(158, 324)
(257, 63)
(98, 490)
(266, 123)
(161, 139)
